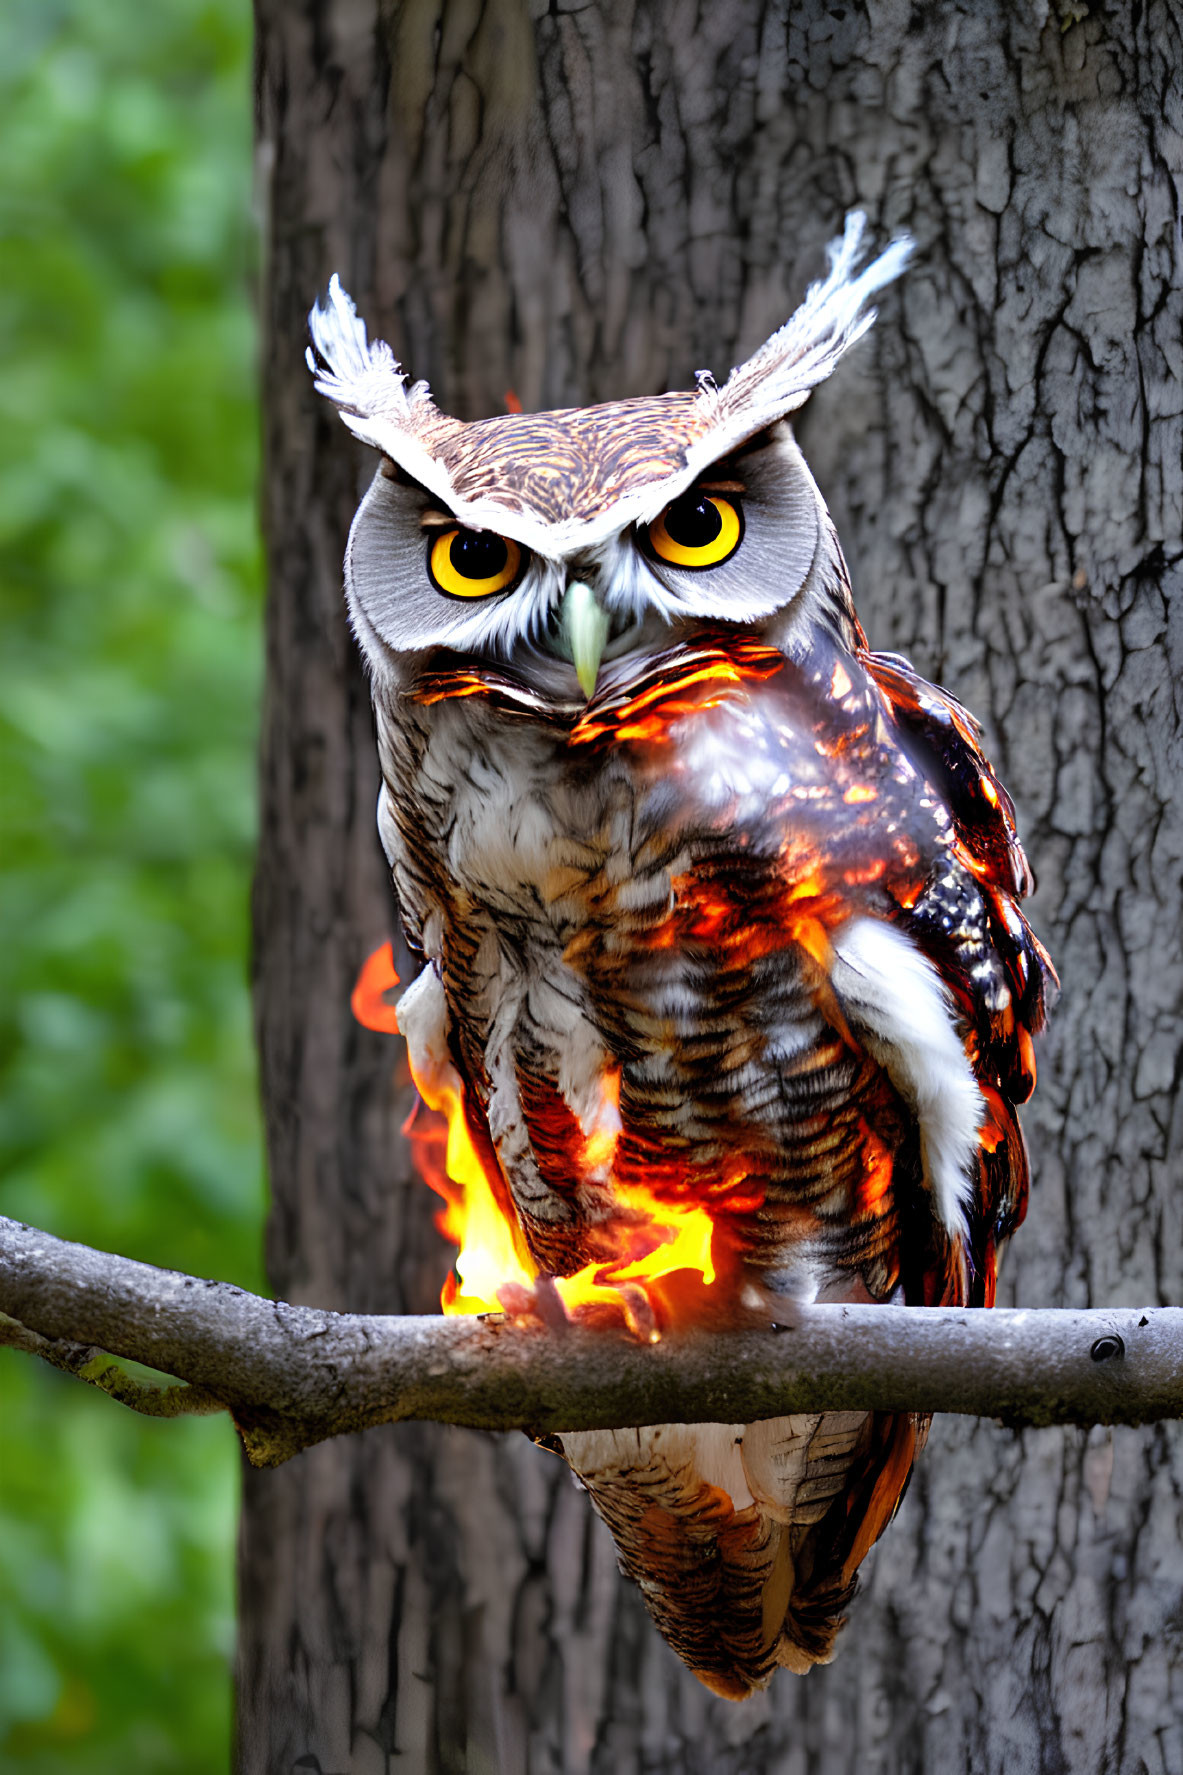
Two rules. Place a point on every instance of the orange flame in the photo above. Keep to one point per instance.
(650, 1239)
(492, 1253)
(494, 1271)
(368, 1000)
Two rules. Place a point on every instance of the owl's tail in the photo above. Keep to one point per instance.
(745, 1540)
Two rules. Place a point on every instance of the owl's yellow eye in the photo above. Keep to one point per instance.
(472, 563)
(698, 530)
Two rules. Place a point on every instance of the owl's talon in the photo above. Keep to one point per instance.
(548, 1304)
(542, 1302)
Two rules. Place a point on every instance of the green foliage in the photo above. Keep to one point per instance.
(129, 672)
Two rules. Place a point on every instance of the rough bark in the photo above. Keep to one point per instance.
(581, 203)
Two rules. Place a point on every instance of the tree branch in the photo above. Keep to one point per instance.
(95, 1367)
(292, 1376)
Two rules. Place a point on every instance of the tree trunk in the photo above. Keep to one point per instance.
(576, 204)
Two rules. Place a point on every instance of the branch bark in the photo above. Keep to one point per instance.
(293, 1376)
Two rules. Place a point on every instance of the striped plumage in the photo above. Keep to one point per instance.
(740, 927)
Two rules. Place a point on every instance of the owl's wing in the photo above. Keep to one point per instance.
(746, 1540)
(968, 922)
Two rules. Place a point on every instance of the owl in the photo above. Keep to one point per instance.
(719, 912)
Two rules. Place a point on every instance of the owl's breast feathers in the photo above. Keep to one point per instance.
(744, 929)
(686, 884)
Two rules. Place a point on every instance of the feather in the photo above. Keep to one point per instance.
(805, 351)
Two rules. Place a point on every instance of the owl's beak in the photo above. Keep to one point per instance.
(583, 629)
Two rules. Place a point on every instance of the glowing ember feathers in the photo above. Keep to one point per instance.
(493, 1271)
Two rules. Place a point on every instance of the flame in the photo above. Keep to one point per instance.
(492, 1254)
(650, 1239)
(878, 1172)
(368, 1001)
(660, 1238)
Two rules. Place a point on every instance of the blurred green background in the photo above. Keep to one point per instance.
(129, 683)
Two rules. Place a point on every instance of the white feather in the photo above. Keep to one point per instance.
(833, 317)
(893, 997)
(423, 1023)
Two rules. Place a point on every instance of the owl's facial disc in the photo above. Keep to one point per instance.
(735, 547)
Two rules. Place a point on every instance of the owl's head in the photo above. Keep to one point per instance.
(570, 544)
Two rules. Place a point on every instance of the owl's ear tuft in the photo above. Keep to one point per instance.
(363, 378)
(802, 353)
